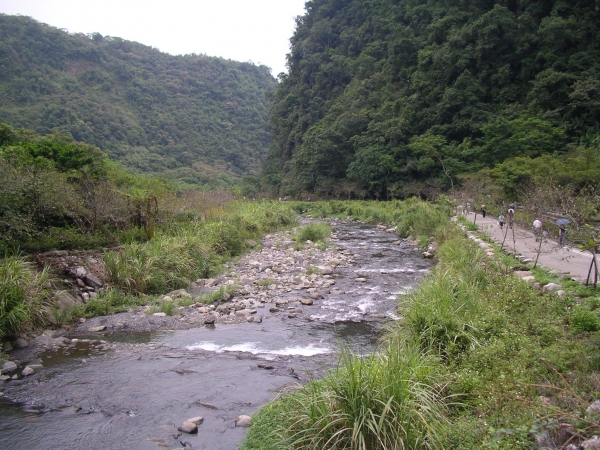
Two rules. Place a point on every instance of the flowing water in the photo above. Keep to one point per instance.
(132, 391)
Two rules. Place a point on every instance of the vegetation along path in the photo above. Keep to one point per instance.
(294, 302)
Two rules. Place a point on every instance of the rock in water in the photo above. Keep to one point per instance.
(243, 421)
(188, 427)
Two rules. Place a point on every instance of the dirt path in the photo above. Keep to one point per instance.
(568, 259)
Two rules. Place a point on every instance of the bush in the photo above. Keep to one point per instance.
(24, 296)
(584, 321)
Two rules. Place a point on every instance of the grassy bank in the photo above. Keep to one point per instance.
(480, 360)
(182, 250)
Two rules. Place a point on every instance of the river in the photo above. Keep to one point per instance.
(132, 390)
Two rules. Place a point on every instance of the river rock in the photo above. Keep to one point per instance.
(160, 314)
(273, 310)
(204, 310)
(27, 371)
(98, 328)
(210, 319)
(427, 255)
(361, 280)
(243, 421)
(307, 301)
(7, 366)
(21, 343)
(188, 427)
(257, 319)
(210, 282)
(245, 312)
(197, 420)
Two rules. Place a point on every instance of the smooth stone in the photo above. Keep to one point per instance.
(27, 371)
(209, 320)
(551, 287)
(98, 328)
(8, 366)
(92, 281)
(21, 343)
(160, 314)
(307, 301)
(361, 280)
(188, 427)
(197, 420)
(243, 421)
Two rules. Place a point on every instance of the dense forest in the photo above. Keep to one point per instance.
(391, 98)
(197, 119)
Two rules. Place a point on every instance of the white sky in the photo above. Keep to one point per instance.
(242, 30)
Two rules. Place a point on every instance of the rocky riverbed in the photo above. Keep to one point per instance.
(137, 376)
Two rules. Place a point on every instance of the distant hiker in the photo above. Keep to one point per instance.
(512, 206)
(562, 235)
(483, 210)
(501, 220)
(468, 208)
(537, 229)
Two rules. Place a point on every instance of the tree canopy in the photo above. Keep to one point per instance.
(401, 97)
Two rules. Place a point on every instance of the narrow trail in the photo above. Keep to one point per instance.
(566, 260)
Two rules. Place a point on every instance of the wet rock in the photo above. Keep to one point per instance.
(7, 366)
(291, 316)
(96, 329)
(4, 378)
(307, 301)
(243, 421)
(197, 420)
(427, 255)
(188, 427)
(27, 371)
(21, 343)
(245, 312)
(257, 319)
(361, 280)
(273, 310)
(210, 319)
(316, 296)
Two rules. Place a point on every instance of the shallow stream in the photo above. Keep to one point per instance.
(132, 390)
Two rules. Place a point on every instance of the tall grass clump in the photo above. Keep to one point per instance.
(315, 232)
(389, 400)
(24, 295)
(161, 264)
(417, 218)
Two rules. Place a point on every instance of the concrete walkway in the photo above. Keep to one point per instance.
(567, 260)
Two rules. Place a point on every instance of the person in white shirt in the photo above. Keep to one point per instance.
(537, 229)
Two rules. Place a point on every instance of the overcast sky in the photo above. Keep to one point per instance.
(242, 30)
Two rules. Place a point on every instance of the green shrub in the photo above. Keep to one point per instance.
(584, 321)
(315, 232)
(111, 302)
(24, 296)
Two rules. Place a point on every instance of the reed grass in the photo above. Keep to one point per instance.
(24, 296)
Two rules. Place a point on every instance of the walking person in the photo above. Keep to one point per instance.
(562, 235)
(501, 220)
(537, 229)
(483, 210)
(511, 216)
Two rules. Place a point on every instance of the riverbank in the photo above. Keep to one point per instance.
(118, 389)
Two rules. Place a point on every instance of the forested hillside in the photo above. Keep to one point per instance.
(398, 97)
(194, 118)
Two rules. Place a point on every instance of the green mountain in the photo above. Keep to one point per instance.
(399, 97)
(195, 118)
